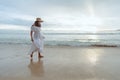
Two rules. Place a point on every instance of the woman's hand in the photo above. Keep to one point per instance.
(43, 37)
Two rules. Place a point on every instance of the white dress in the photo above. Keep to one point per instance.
(38, 40)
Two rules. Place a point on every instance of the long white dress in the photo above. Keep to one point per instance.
(38, 40)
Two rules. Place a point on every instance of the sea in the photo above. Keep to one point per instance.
(110, 38)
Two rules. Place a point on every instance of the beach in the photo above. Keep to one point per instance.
(59, 63)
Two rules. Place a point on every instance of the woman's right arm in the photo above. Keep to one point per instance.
(31, 32)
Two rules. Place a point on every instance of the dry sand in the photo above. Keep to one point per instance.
(60, 63)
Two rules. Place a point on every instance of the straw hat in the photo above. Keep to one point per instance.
(39, 19)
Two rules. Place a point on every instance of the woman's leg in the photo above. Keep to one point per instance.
(31, 55)
(39, 55)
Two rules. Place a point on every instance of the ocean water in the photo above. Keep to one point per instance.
(104, 38)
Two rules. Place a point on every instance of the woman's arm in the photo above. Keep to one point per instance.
(31, 32)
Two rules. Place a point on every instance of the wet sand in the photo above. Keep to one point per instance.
(60, 63)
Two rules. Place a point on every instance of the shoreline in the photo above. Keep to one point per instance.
(46, 45)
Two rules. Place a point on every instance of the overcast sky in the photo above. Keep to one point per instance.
(61, 14)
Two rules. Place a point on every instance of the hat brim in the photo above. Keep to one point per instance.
(40, 20)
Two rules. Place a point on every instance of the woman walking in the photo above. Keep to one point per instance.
(36, 38)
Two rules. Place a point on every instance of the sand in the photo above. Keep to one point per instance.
(59, 63)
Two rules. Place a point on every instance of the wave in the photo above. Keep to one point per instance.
(103, 45)
(82, 44)
(83, 33)
(110, 39)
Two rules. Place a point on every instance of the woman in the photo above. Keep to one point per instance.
(36, 38)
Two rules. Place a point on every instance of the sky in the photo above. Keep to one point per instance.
(61, 15)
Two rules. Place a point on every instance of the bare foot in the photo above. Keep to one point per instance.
(40, 56)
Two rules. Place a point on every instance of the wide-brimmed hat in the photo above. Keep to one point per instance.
(39, 19)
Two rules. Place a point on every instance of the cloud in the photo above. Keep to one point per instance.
(13, 27)
(107, 8)
(60, 13)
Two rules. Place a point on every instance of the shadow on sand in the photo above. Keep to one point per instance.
(36, 68)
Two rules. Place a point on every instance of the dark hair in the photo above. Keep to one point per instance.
(37, 23)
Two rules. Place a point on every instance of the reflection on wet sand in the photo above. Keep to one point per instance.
(36, 68)
(93, 56)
